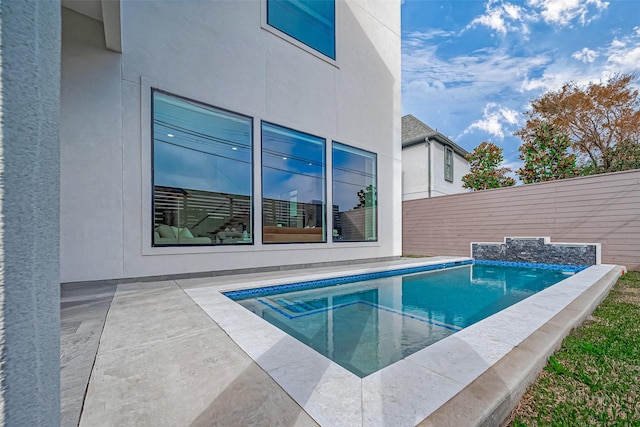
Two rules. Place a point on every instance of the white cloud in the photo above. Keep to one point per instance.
(560, 73)
(451, 93)
(475, 74)
(493, 19)
(585, 55)
(512, 10)
(624, 60)
(623, 54)
(495, 120)
(428, 35)
(563, 12)
(617, 43)
(502, 18)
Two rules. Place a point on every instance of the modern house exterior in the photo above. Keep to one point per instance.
(199, 137)
(432, 164)
(152, 139)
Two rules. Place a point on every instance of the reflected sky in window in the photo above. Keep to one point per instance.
(353, 171)
(292, 161)
(198, 147)
(310, 21)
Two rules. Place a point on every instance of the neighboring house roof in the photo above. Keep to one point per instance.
(415, 132)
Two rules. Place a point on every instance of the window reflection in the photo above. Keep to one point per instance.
(355, 202)
(201, 174)
(310, 21)
(293, 192)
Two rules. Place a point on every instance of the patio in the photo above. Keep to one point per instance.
(161, 360)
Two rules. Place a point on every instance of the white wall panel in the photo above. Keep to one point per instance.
(218, 53)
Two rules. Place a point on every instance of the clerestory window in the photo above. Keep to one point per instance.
(311, 22)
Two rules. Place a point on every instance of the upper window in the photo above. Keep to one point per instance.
(202, 159)
(311, 22)
(293, 186)
(448, 164)
(355, 201)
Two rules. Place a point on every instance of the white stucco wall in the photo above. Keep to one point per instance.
(460, 169)
(91, 151)
(415, 172)
(441, 186)
(29, 213)
(423, 174)
(217, 53)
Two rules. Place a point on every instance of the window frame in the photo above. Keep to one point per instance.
(264, 24)
(448, 168)
(325, 224)
(152, 91)
(375, 157)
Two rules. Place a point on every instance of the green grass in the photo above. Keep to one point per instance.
(594, 379)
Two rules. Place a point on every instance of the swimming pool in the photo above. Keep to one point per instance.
(365, 325)
(479, 368)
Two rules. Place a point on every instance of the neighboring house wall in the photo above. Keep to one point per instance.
(442, 186)
(601, 209)
(216, 53)
(419, 180)
(415, 172)
(29, 213)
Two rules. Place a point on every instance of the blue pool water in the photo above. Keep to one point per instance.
(369, 324)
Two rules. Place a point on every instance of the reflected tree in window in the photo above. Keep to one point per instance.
(355, 205)
(293, 186)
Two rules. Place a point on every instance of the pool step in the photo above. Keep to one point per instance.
(300, 306)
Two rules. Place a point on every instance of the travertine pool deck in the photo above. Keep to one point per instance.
(179, 353)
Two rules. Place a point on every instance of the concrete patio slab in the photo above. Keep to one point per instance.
(83, 312)
(180, 353)
(162, 362)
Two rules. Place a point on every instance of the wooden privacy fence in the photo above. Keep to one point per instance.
(595, 209)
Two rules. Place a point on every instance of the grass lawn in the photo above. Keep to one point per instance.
(594, 379)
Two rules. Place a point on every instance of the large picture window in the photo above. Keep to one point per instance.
(311, 22)
(202, 159)
(293, 186)
(355, 201)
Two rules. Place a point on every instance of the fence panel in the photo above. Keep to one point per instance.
(595, 209)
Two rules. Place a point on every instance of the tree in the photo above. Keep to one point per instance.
(485, 173)
(626, 156)
(546, 156)
(366, 197)
(596, 118)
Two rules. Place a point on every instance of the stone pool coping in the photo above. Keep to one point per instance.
(421, 387)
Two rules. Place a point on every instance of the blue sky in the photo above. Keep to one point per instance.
(471, 68)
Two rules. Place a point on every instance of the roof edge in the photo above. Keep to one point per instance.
(442, 139)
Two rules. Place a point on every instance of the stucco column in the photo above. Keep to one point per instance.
(29, 213)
